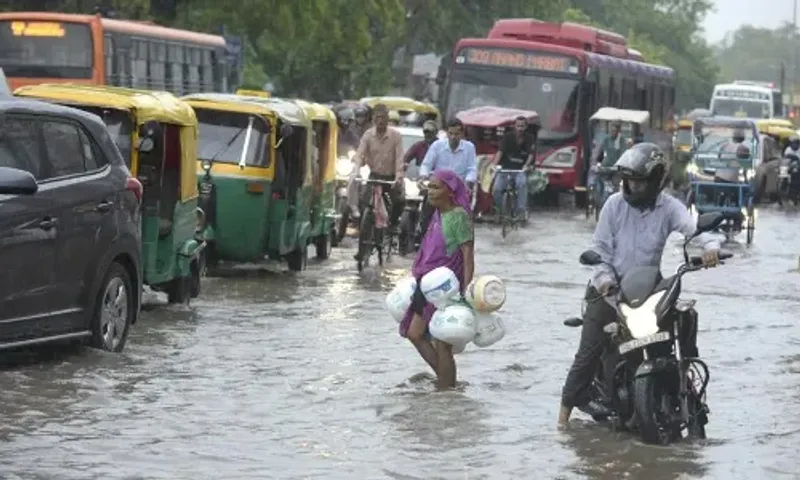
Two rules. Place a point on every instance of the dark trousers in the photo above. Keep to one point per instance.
(393, 197)
(593, 349)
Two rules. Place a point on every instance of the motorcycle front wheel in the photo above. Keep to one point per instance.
(657, 407)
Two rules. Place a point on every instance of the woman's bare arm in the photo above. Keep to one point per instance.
(468, 252)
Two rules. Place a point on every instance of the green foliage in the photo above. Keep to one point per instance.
(752, 53)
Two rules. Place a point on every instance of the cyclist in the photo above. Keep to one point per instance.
(381, 148)
(516, 153)
(451, 153)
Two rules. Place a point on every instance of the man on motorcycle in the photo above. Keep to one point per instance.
(631, 232)
(361, 124)
(417, 151)
(793, 148)
(347, 138)
(515, 153)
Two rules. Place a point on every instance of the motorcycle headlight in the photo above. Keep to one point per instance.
(344, 166)
(411, 188)
(642, 320)
(206, 165)
(364, 171)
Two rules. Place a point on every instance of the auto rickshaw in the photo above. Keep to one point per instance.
(632, 125)
(767, 178)
(255, 175)
(157, 136)
(413, 113)
(324, 217)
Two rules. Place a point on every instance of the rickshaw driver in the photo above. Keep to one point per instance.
(515, 153)
(632, 231)
(381, 149)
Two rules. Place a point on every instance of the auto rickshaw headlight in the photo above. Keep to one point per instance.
(344, 167)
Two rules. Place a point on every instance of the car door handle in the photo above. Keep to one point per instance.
(48, 223)
(104, 207)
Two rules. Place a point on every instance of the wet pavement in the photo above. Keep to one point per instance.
(284, 376)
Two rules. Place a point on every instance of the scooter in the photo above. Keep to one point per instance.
(658, 383)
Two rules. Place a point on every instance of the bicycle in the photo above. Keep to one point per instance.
(373, 233)
(508, 214)
(601, 188)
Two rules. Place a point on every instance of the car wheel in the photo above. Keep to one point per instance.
(114, 310)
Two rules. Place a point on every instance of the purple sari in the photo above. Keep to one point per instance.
(433, 250)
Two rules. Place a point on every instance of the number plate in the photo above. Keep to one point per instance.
(643, 342)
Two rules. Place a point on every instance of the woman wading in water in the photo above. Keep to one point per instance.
(448, 242)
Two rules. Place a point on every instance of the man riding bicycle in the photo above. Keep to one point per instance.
(381, 149)
(516, 153)
(453, 153)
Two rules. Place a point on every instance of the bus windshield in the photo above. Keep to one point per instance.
(555, 99)
(222, 137)
(735, 107)
(45, 49)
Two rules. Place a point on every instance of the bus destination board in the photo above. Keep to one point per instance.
(37, 29)
(504, 58)
(743, 94)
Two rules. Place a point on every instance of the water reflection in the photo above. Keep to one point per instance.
(606, 455)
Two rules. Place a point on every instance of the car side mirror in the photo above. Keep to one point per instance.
(709, 221)
(590, 258)
(14, 181)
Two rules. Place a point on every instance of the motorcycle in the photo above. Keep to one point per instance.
(658, 383)
(789, 179)
(410, 227)
(344, 175)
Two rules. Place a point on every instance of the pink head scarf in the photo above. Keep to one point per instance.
(460, 193)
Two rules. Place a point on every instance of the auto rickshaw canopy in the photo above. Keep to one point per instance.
(143, 106)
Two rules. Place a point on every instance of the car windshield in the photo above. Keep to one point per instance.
(729, 107)
(119, 124)
(554, 99)
(409, 140)
(222, 137)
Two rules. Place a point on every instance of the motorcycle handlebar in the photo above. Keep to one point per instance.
(697, 261)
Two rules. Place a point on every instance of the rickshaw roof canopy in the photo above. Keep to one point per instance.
(727, 122)
(610, 114)
(285, 110)
(400, 103)
(145, 105)
(316, 111)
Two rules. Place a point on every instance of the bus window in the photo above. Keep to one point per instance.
(206, 72)
(629, 94)
(194, 70)
(604, 87)
(157, 66)
(616, 92)
(108, 49)
(140, 64)
(46, 49)
(669, 104)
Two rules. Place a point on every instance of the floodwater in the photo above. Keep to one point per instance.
(285, 376)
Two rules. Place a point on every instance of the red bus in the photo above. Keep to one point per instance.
(39, 47)
(564, 72)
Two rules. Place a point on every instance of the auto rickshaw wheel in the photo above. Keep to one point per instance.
(298, 259)
(324, 244)
(179, 290)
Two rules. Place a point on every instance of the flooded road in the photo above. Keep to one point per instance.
(305, 377)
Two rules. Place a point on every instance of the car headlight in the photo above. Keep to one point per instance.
(562, 158)
(642, 320)
(344, 166)
(411, 188)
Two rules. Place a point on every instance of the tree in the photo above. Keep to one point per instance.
(752, 53)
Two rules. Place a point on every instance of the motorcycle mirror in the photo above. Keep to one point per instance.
(590, 258)
(709, 221)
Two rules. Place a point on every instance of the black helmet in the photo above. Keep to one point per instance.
(643, 161)
(738, 136)
(794, 142)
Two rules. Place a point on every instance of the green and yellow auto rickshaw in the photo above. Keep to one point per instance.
(326, 141)
(255, 176)
(157, 135)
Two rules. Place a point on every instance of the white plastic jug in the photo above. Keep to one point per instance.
(440, 287)
(454, 324)
(486, 293)
(489, 329)
(399, 299)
